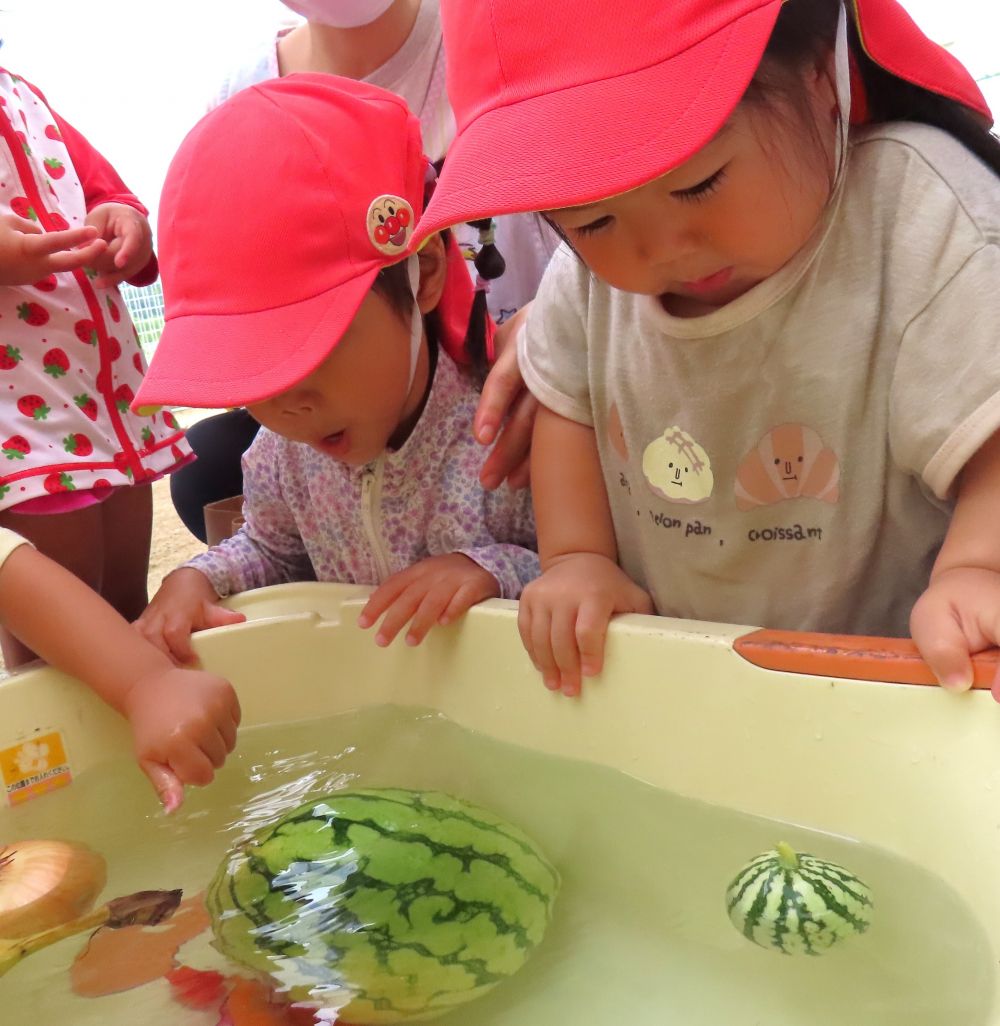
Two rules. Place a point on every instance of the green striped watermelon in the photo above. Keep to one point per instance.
(797, 903)
(386, 905)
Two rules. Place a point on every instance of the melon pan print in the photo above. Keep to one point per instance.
(789, 462)
(678, 468)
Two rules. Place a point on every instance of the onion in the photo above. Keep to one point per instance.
(45, 884)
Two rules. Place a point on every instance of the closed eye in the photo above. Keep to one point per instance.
(594, 226)
(703, 189)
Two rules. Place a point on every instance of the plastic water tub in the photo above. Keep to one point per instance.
(766, 724)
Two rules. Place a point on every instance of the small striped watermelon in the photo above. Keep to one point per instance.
(384, 905)
(797, 903)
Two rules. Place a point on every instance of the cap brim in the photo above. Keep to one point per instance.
(599, 139)
(217, 360)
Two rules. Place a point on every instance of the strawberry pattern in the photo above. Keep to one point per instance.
(70, 361)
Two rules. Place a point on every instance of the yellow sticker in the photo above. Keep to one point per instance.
(34, 767)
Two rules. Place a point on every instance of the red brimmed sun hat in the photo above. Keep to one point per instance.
(563, 102)
(279, 209)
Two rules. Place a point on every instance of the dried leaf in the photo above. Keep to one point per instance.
(144, 908)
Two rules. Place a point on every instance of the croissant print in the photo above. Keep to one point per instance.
(789, 462)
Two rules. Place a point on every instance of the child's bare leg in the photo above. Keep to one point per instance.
(74, 540)
(127, 521)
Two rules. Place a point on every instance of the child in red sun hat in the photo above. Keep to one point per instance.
(767, 351)
(295, 291)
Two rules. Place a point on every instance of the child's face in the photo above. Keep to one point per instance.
(353, 404)
(719, 224)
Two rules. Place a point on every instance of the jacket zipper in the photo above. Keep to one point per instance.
(371, 500)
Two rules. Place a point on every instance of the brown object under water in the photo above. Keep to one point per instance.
(117, 960)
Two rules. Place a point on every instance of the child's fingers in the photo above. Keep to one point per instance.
(464, 598)
(132, 238)
(564, 648)
(193, 766)
(541, 647)
(218, 616)
(381, 599)
(398, 615)
(74, 259)
(524, 627)
(520, 476)
(177, 635)
(168, 787)
(24, 225)
(150, 626)
(228, 730)
(429, 613)
(502, 386)
(213, 744)
(514, 443)
(37, 243)
(591, 631)
(941, 641)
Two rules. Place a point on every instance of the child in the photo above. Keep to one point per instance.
(395, 44)
(76, 464)
(183, 721)
(768, 353)
(290, 291)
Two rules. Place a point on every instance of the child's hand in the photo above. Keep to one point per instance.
(508, 408)
(29, 254)
(129, 243)
(186, 602)
(434, 591)
(564, 614)
(183, 726)
(958, 614)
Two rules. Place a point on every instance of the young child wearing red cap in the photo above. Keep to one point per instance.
(767, 352)
(291, 287)
(75, 462)
(183, 721)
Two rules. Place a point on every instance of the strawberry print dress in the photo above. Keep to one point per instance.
(70, 360)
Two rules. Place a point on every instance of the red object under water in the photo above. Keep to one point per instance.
(197, 989)
(239, 1001)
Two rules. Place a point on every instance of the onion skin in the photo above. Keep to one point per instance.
(45, 884)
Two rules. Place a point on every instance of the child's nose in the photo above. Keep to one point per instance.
(664, 238)
(297, 403)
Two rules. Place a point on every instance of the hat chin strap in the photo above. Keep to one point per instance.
(842, 74)
(417, 319)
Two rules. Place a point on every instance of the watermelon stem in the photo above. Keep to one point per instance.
(786, 856)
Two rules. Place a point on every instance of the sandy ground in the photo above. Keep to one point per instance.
(172, 542)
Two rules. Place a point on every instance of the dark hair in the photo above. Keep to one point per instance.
(805, 32)
(392, 283)
(489, 264)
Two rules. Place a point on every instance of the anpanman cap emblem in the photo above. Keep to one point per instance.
(390, 224)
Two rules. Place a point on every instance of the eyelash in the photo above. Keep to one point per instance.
(701, 191)
(696, 194)
(594, 226)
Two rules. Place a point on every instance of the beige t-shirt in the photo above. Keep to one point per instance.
(8, 542)
(788, 459)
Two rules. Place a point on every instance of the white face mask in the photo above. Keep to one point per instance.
(340, 13)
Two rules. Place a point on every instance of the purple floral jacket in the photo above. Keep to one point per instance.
(309, 517)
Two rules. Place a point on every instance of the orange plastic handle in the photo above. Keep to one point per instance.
(891, 660)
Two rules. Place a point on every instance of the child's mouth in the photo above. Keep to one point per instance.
(711, 282)
(337, 443)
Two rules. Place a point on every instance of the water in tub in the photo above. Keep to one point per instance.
(639, 936)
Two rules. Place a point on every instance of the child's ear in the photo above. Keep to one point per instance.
(433, 272)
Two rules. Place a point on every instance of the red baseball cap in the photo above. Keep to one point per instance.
(564, 102)
(279, 209)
